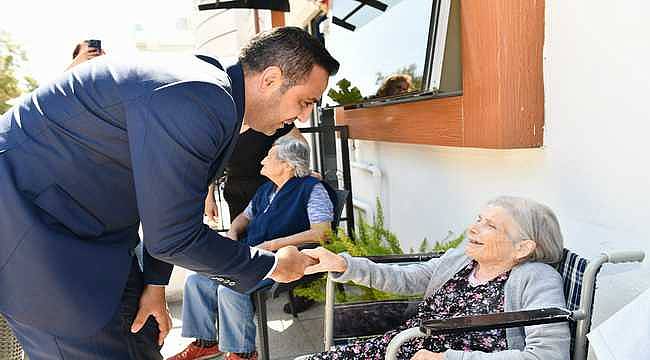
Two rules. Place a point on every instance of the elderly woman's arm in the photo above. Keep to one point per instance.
(238, 226)
(540, 287)
(400, 279)
(313, 235)
(403, 279)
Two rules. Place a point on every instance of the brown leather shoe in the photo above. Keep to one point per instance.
(195, 352)
(234, 356)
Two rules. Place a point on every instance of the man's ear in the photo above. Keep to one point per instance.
(524, 248)
(271, 79)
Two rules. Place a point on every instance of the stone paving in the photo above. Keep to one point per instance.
(288, 336)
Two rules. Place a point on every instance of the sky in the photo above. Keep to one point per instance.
(49, 30)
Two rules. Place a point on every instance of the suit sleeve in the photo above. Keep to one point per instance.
(154, 271)
(175, 137)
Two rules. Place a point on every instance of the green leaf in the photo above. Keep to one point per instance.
(345, 95)
(12, 59)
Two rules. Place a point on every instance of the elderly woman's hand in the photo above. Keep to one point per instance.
(327, 261)
(428, 355)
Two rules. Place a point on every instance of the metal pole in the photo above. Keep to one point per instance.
(329, 313)
(347, 178)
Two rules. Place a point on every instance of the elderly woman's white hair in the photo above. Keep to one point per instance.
(295, 152)
(538, 223)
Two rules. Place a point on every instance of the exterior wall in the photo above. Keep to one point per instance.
(221, 33)
(591, 170)
(301, 12)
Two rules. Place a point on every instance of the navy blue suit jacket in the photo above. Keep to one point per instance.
(86, 158)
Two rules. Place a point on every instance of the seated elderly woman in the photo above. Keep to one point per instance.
(502, 266)
(292, 208)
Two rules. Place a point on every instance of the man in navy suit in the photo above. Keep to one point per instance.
(111, 144)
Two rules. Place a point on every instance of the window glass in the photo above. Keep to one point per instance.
(382, 53)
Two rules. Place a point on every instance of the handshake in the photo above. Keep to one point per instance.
(294, 264)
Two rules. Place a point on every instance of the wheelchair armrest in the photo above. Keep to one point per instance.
(403, 258)
(496, 321)
(371, 317)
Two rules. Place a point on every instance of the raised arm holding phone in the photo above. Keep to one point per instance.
(85, 51)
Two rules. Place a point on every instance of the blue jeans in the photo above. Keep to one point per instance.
(204, 300)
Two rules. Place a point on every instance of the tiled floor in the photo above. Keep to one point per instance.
(288, 336)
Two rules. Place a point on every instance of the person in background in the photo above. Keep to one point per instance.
(243, 178)
(242, 173)
(292, 208)
(395, 85)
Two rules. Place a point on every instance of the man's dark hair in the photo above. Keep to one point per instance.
(76, 50)
(291, 49)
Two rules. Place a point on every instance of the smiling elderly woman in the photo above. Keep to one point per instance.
(503, 266)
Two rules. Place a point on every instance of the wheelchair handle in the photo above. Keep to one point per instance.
(625, 256)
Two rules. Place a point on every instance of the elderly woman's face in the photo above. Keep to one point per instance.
(490, 237)
(274, 168)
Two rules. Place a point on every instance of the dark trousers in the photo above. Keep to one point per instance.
(114, 341)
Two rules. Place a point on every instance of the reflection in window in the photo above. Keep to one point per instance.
(382, 53)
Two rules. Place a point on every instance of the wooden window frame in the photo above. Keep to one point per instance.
(502, 102)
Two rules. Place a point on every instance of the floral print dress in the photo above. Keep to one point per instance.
(457, 297)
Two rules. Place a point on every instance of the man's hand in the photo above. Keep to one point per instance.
(325, 261)
(211, 210)
(291, 264)
(428, 355)
(152, 302)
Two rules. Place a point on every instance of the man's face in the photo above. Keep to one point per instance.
(275, 108)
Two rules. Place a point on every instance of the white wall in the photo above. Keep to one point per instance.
(592, 170)
(302, 11)
(223, 32)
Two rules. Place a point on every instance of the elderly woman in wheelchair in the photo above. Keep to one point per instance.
(502, 266)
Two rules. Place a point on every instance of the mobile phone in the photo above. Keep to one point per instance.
(97, 44)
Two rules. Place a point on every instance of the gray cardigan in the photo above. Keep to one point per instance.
(531, 285)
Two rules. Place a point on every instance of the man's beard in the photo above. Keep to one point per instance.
(266, 118)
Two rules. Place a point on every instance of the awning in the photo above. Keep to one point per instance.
(276, 5)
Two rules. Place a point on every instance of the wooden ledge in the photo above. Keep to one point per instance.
(433, 121)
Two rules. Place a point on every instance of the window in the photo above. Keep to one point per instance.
(387, 48)
(501, 102)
